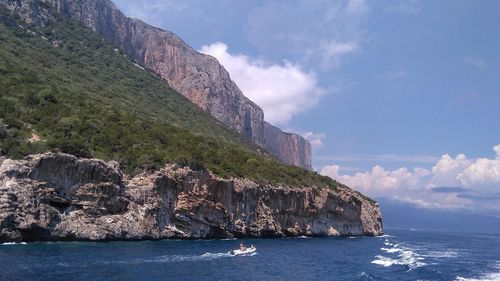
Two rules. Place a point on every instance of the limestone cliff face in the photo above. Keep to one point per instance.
(60, 197)
(198, 77)
(290, 148)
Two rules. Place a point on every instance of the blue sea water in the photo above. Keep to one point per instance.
(398, 255)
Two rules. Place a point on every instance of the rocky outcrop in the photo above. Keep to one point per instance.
(198, 77)
(60, 197)
(290, 148)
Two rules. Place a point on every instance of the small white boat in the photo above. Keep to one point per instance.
(245, 251)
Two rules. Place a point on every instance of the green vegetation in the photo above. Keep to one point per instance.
(62, 88)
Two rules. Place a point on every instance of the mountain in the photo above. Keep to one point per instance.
(198, 77)
(64, 88)
(172, 169)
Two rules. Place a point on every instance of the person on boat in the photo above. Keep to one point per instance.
(241, 246)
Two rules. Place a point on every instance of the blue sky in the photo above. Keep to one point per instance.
(398, 97)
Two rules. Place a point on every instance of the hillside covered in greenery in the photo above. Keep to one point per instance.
(63, 88)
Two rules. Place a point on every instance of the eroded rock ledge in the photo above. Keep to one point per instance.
(60, 197)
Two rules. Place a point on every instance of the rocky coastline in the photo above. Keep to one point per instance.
(59, 197)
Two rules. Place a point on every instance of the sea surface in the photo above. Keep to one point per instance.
(398, 255)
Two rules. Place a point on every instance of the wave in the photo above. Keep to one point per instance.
(491, 276)
(437, 251)
(411, 256)
(441, 254)
(390, 250)
(184, 258)
(388, 243)
(384, 261)
(405, 256)
(366, 276)
(159, 259)
(178, 258)
(14, 243)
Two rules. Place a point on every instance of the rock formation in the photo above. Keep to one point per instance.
(198, 77)
(290, 148)
(52, 197)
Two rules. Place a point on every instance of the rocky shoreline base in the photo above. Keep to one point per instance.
(59, 197)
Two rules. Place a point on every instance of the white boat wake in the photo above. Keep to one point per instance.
(401, 255)
(175, 258)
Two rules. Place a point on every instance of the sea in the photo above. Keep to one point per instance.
(398, 255)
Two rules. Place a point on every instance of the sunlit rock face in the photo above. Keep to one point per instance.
(51, 197)
(290, 148)
(198, 77)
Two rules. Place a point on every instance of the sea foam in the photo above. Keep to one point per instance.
(176, 258)
(442, 254)
(402, 255)
(14, 243)
(386, 236)
(491, 276)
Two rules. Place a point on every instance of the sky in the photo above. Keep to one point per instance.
(400, 99)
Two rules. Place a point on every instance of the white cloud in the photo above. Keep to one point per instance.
(480, 178)
(475, 62)
(497, 151)
(332, 52)
(316, 139)
(317, 32)
(418, 202)
(281, 90)
(395, 75)
(381, 158)
(357, 7)
(378, 181)
(483, 172)
(447, 169)
(406, 7)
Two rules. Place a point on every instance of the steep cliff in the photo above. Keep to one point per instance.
(65, 89)
(290, 148)
(60, 197)
(198, 77)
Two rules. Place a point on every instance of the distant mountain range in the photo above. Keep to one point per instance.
(398, 215)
